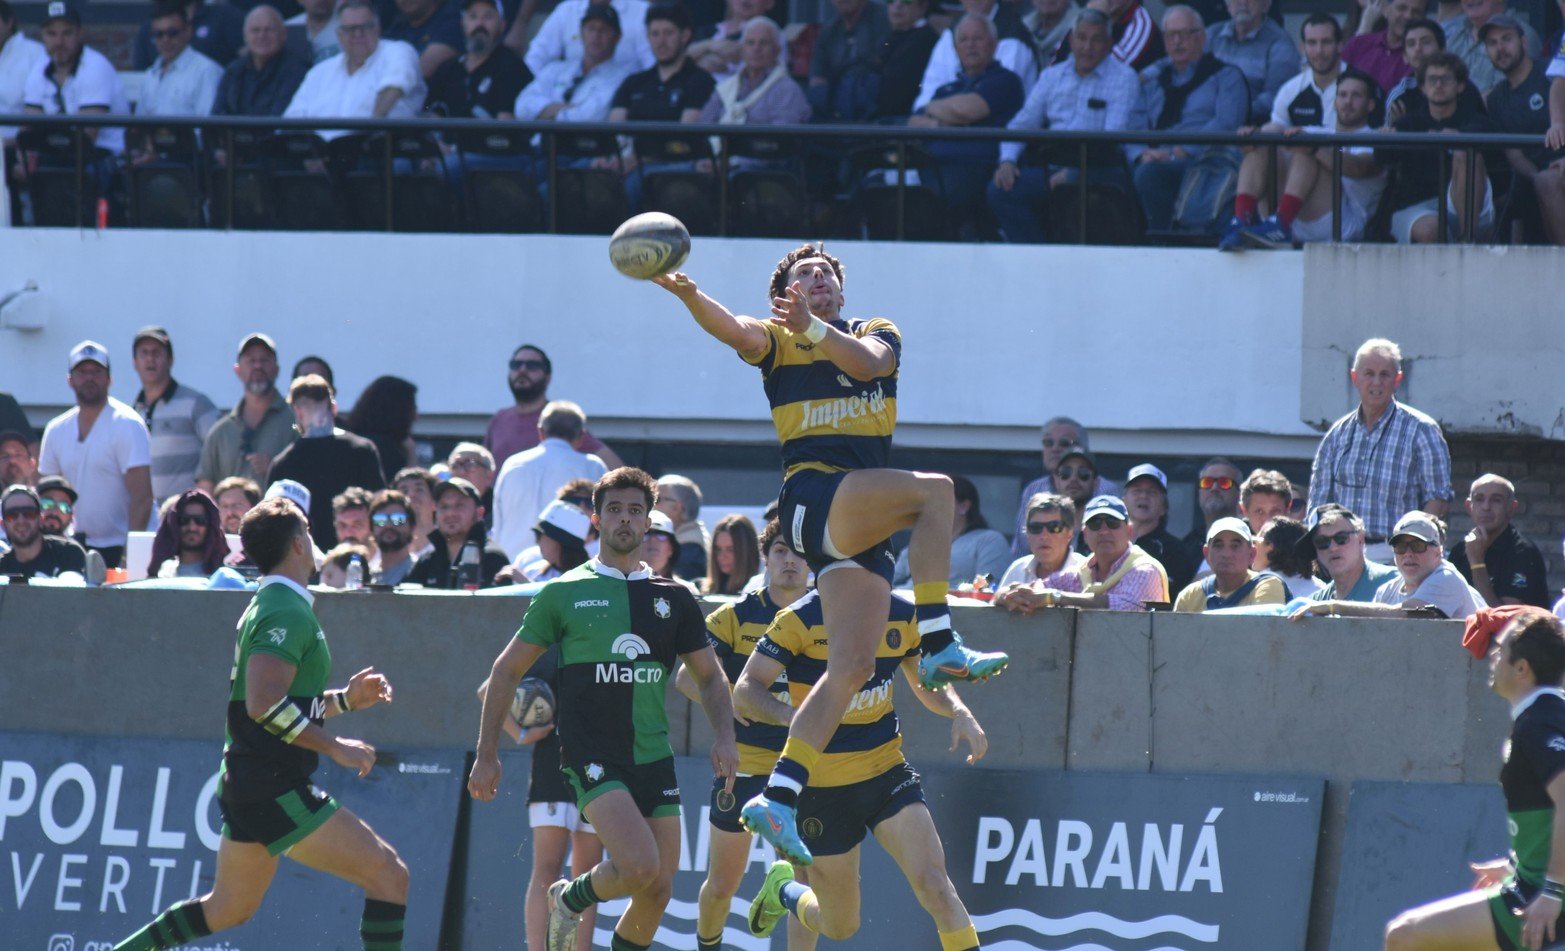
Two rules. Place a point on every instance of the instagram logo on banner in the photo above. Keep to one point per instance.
(62, 942)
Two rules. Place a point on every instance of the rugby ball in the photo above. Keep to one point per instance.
(533, 704)
(648, 245)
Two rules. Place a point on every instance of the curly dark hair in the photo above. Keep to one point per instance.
(785, 266)
(1283, 534)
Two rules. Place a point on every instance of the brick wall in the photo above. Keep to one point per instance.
(1537, 467)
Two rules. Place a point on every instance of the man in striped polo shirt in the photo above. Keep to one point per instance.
(178, 417)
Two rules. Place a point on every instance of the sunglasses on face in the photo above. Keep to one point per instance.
(527, 364)
(1219, 482)
(50, 505)
(1049, 442)
(1053, 528)
(1074, 472)
(382, 519)
(30, 511)
(1323, 542)
(1100, 523)
(1415, 545)
(192, 519)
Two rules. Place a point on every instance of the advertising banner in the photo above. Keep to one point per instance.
(100, 834)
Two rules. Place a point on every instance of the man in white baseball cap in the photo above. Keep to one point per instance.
(1229, 549)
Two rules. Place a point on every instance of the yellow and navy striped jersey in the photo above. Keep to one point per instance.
(825, 419)
(869, 741)
(733, 631)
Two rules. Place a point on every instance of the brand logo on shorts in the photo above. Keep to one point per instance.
(725, 801)
(629, 646)
(278, 634)
(812, 828)
(671, 793)
(593, 772)
(661, 609)
(893, 638)
(798, 528)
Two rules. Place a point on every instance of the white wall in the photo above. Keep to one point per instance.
(997, 337)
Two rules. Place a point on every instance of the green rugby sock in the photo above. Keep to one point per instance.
(579, 895)
(381, 926)
(181, 924)
(625, 944)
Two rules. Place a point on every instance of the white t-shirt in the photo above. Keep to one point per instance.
(187, 88)
(1289, 90)
(329, 91)
(527, 484)
(95, 84)
(1365, 192)
(19, 58)
(1445, 588)
(559, 39)
(96, 467)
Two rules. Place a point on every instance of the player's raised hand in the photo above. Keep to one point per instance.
(367, 688)
(483, 783)
(965, 729)
(725, 762)
(356, 755)
(792, 310)
(679, 284)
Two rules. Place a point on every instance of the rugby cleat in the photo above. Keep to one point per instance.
(958, 663)
(767, 909)
(562, 923)
(777, 824)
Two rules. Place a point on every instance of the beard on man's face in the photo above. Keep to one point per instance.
(525, 393)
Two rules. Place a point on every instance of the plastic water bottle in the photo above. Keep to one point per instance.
(356, 574)
(467, 567)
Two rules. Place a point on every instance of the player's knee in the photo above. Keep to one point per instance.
(937, 488)
(841, 926)
(223, 913)
(658, 890)
(932, 886)
(391, 878)
(849, 672)
(638, 870)
(720, 890)
(1402, 933)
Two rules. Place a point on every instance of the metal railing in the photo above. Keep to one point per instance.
(900, 142)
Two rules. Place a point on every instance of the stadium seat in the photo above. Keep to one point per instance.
(52, 185)
(251, 205)
(587, 200)
(420, 191)
(501, 194)
(882, 177)
(767, 200)
(687, 194)
(165, 192)
(302, 195)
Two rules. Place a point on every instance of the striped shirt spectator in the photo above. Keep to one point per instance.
(1383, 459)
(178, 417)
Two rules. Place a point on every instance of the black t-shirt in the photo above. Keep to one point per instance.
(483, 93)
(434, 569)
(58, 554)
(1523, 110)
(326, 465)
(247, 91)
(902, 59)
(1172, 555)
(443, 26)
(1419, 176)
(648, 97)
(1515, 567)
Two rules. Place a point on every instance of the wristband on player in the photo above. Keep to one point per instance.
(284, 720)
(1553, 889)
(339, 699)
(816, 332)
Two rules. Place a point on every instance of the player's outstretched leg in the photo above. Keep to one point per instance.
(244, 872)
(346, 846)
(910, 838)
(643, 856)
(1465, 922)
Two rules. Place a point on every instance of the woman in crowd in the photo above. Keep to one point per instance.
(384, 414)
(976, 549)
(1050, 528)
(1276, 550)
(735, 556)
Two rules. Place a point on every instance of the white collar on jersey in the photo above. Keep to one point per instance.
(640, 574)
(1527, 701)
(302, 591)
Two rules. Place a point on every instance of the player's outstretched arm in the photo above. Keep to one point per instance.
(508, 669)
(713, 686)
(267, 679)
(1543, 911)
(964, 726)
(745, 334)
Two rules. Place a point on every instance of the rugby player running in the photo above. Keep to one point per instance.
(863, 783)
(832, 385)
(1515, 901)
(277, 702)
(620, 630)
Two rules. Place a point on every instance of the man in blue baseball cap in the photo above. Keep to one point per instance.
(1118, 576)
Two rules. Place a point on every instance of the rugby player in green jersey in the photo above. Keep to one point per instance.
(1515, 902)
(832, 385)
(277, 702)
(620, 631)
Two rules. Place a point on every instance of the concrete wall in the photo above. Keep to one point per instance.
(1346, 700)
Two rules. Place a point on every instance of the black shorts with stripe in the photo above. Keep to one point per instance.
(653, 786)
(802, 510)
(724, 815)
(834, 819)
(277, 823)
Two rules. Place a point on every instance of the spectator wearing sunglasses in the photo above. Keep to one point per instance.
(35, 553)
(1424, 578)
(326, 460)
(1384, 458)
(1334, 536)
(529, 480)
(391, 521)
(1146, 498)
(190, 541)
(1060, 435)
(1118, 576)
(515, 428)
(1050, 527)
(1217, 496)
(58, 517)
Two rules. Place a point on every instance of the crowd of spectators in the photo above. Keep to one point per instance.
(1019, 64)
(1366, 538)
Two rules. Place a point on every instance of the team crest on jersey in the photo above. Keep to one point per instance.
(661, 609)
(726, 801)
(278, 634)
(893, 638)
(594, 772)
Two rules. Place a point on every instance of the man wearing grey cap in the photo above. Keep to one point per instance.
(101, 446)
(246, 439)
(1425, 580)
(178, 417)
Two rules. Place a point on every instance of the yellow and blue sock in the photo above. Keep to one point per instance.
(964, 939)
(934, 617)
(792, 772)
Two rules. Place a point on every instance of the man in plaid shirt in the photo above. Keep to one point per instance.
(1383, 459)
